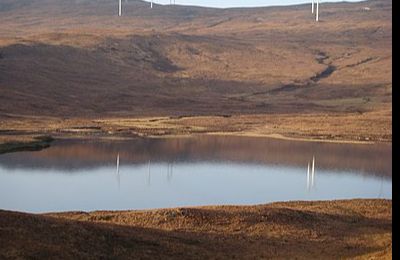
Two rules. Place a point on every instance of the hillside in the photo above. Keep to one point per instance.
(78, 59)
(74, 69)
(352, 229)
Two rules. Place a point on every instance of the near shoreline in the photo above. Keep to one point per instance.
(346, 229)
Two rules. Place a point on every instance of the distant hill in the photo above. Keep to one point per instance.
(77, 58)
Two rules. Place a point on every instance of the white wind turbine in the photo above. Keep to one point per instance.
(119, 7)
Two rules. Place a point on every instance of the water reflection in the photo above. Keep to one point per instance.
(311, 176)
(168, 173)
(118, 175)
(170, 167)
(148, 175)
(75, 155)
(158, 173)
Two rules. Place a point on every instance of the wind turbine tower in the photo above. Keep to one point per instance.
(151, 4)
(119, 7)
(317, 15)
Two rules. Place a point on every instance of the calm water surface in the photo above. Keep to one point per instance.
(203, 170)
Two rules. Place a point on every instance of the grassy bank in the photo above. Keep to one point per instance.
(330, 127)
(24, 143)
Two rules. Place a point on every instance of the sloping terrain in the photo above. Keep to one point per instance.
(353, 229)
(74, 66)
(78, 59)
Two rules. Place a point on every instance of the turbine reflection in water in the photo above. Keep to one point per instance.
(205, 171)
(311, 177)
(148, 175)
(118, 175)
(169, 171)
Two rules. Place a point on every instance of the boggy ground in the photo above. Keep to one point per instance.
(367, 127)
(348, 229)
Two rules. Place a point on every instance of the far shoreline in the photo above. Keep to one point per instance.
(19, 133)
(36, 144)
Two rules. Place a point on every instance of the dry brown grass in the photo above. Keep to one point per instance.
(71, 68)
(353, 229)
(77, 59)
(350, 127)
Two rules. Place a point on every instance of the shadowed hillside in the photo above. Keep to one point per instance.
(350, 229)
(77, 58)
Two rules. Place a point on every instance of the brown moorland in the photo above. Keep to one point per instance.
(72, 68)
(274, 67)
(352, 229)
